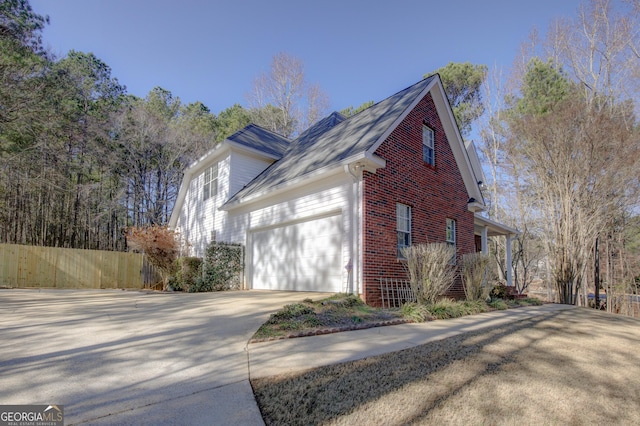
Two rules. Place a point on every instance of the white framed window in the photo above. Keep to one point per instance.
(403, 227)
(428, 146)
(451, 236)
(210, 185)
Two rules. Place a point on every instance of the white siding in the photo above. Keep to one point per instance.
(244, 168)
(198, 217)
(302, 256)
(328, 197)
(200, 220)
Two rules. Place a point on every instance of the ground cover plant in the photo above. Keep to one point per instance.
(338, 312)
(343, 312)
(571, 367)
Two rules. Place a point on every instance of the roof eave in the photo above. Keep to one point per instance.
(369, 162)
(241, 147)
(494, 228)
(194, 169)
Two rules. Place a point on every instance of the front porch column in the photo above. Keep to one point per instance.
(508, 261)
(484, 240)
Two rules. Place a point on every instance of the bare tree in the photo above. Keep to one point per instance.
(569, 162)
(283, 101)
(580, 165)
(600, 49)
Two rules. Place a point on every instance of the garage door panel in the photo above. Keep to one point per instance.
(304, 256)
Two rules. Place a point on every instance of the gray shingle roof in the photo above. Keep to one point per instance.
(256, 137)
(332, 140)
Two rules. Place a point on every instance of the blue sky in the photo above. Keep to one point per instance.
(211, 51)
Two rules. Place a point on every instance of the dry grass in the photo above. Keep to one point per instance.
(337, 312)
(573, 367)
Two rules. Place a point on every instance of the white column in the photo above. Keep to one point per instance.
(508, 261)
(484, 240)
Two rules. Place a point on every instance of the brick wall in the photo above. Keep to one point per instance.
(434, 193)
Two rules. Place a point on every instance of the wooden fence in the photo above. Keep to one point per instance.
(52, 267)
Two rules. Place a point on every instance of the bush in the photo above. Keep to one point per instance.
(499, 291)
(416, 312)
(188, 270)
(475, 271)
(343, 300)
(475, 307)
(160, 245)
(431, 272)
(222, 268)
(447, 308)
(498, 304)
(289, 312)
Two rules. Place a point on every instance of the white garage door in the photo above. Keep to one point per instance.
(304, 256)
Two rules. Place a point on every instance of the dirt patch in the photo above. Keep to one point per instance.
(570, 367)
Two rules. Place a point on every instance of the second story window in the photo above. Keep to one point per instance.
(428, 146)
(210, 186)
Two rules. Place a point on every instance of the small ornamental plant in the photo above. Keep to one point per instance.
(431, 271)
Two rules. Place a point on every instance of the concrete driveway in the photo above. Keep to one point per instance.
(127, 357)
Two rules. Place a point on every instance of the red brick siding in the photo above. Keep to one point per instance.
(434, 194)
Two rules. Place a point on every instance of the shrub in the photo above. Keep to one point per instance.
(447, 308)
(498, 304)
(160, 245)
(187, 272)
(221, 269)
(289, 312)
(475, 271)
(475, 307)
(431, 272)
(416, 312)
(499, 291)
(530, 301)
(343, 300)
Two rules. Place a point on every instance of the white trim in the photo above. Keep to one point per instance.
(194, 170)
(298, 219)
(509, 261)
(494, 228)
(484, 237)
(402, 116)
(241, 147)
(476, 165)
(407, 216)
(456, 143)
(430, 144)
(370, 162)
(248, 284)
(445, 113)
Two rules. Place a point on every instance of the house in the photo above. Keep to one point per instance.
(330, 210)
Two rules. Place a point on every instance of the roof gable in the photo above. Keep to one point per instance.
(334, 140)
(260, 139)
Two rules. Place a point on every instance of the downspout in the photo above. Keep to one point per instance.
(356, 174)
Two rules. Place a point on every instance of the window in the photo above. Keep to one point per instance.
(428, 146)
(403, 220)
(210, 187)
(451, 236)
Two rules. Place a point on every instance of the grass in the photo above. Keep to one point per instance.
(571, 367)
(338, 312)
(346, 312)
